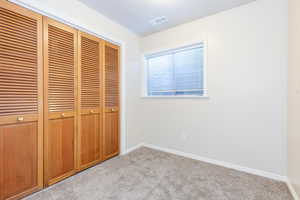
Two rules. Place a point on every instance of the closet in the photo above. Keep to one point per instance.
(21, 102)
(60, 113)
(90, 97)
(112, 101)
(59, 101)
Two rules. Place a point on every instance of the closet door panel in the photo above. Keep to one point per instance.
(60, 59)
(21, 97)
(90, 90)
(112, 102)
(111, 134)
(62, 150)
(20, 157)
(90, 139)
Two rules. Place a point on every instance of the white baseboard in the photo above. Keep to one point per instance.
(215, 162)
(292, 190)
(134, 148)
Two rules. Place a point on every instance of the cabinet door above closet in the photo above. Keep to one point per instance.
(60, 60)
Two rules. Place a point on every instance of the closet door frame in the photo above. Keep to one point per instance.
(30, 117)
(47, 116)
(108, 110)
(101, 100)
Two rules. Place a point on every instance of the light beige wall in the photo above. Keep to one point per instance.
(294, 95)
(243, 121)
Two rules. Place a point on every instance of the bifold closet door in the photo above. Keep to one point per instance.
(60, 62)
(21, 98)
(112, 102)
(90, 100)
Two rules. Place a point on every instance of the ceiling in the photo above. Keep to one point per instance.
(136, 14)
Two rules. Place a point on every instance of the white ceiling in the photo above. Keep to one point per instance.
(136, 14)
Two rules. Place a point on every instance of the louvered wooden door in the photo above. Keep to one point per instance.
(60, 60)
(112, 101)
(21, 98)
(90, 101)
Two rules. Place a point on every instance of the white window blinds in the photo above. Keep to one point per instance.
(177, 73)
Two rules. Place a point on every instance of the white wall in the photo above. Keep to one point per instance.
(244, 120)
(75, 12)
(294, 96)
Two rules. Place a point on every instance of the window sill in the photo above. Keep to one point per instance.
(175, 97)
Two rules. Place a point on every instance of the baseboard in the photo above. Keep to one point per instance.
(134, 148)
(292, 190)
(217, 162)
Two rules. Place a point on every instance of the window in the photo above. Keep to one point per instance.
(178, 72)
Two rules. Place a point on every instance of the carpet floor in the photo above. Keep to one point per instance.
(147, 174)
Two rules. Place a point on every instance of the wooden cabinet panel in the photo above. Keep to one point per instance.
(60, 116)
(18, 158)
(111, 135)
(21, 97)
(90, 100)
(90, 140)
(111, 132)
(111, 75)
(90, 71)
(62, 147)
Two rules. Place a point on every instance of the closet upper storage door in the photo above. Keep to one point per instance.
(21, 98)
(60, 60)
(112, 101)
(90, 93)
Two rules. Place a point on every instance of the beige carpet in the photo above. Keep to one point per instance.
(147, 174)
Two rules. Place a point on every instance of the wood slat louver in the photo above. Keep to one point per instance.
(61, 70)
(90, 102)
(111, 77)
(111, 133)
(18, 64)
(60, 118)
(90, 70)
(21, 101)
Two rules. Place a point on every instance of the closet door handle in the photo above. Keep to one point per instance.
(63, 114)
(20, 119)
(92, 111)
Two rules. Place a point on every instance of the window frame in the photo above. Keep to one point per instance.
(161, 52)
